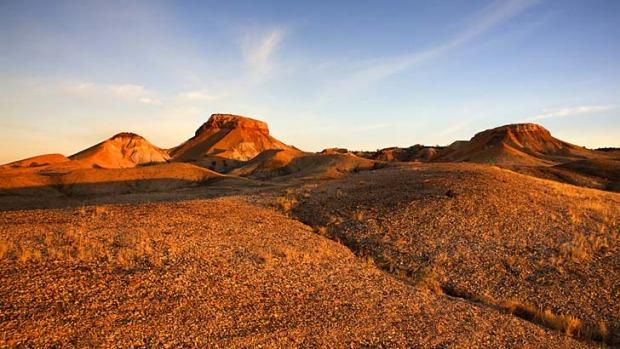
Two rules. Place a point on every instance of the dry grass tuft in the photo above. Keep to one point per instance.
(286, 203)
(580, 248)
(124, 250)
(5, 247)
(30, 255)
(575, 250)
(602, 331)
(428, 279)
(359, 216)
(560, 322)
(564, 323)
(335, 220)
(321, 231)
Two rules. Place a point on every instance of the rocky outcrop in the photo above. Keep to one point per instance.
(230, 122)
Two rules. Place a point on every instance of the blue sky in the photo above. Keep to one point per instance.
(355, 74)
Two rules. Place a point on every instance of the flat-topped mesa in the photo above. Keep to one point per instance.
(226, 136)
(528, 128)
(229, 121)
(515, 144)
(529, 136)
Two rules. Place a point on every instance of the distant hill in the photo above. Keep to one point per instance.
(226, 136)
(517, 144)
(242, 146)
(414, 153)
(121, 151)
(37, 161)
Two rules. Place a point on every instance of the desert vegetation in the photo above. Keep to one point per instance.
(79, 243)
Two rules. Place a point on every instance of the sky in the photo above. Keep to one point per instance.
(354, 74)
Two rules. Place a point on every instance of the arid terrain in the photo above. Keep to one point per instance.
(236, 239)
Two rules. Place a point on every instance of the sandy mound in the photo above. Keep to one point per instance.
(124, 150)
(38, 161)
(85, 181)
(313, 166)
(518, 144)
(268, 163)
(603, 173)
(414, 153)
(330, 163)
(329, 151)
(608, 168)
(227, 137)
(138, 179)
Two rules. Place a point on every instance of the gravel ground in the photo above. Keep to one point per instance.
(482, 231)
(223, 272)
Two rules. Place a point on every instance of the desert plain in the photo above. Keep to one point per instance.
(236, 239)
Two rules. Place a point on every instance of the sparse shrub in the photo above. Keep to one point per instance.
(5, 247)
(598, 242)
(321, 231)
(564, 323)
(580, 248)
(567, 324)
(335, 220)
(286, 203)
(100, 211)
(427, 279)
(576, 250)
(125, 250)
(370, 261)
(358, 216)
(30, 255)
(601, 332)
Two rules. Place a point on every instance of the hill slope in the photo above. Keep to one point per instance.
(485, 234)
(218, 273)
(89, 181)
(517, 144)
(226, 136)
(37, 161)
(121, 151)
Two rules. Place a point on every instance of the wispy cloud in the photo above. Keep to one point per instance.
(125, 92)
(258, 50)
(372, 127)
(563, 112)
(371, 71)
(199, 95)
(147, 100)
(455, 127)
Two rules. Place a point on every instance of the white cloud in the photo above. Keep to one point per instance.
(257, 50)
(90, 90)
(147, 100)
(372, 127)
(199, 95)
(587, 109)
(370, 71)
(455, 127)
